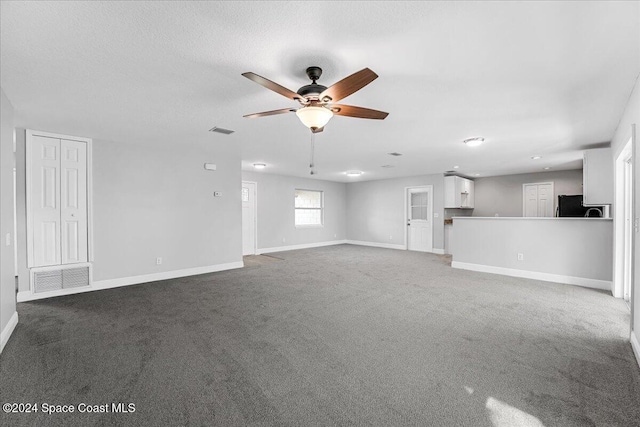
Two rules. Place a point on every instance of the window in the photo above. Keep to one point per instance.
(309, 206)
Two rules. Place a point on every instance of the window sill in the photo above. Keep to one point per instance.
(310, 226)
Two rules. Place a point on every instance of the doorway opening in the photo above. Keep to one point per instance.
(249, 217)
(624, 224)
(419, 214)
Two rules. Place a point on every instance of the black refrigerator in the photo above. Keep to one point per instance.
(571, 206)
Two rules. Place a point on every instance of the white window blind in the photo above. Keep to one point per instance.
(309, 205)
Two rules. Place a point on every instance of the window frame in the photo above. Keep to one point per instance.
(321, 209)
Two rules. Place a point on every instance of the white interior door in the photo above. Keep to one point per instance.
(530, 200)
(73, 201)
(538, 200)
(628, 229)
(249, 195)
(419, 219)
(45, 201)
(545, 200)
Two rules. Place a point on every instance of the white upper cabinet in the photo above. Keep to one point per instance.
(458, 192)
(597, 177)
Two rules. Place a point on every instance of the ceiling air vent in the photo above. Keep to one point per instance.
(386, 166)
(221, 130)
(395, 154)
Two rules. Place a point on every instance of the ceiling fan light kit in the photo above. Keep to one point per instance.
(314, 117)
(318, 101)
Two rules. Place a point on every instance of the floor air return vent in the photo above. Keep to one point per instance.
(51, 280)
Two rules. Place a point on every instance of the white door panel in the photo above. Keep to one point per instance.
(538, 200)
(45, 199)
(419, 221)
(248, 218)
(58, 197)
(73, 201)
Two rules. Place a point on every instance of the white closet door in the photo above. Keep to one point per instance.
(45, 200)
(531, 200)
(73, 197)
(545, 200)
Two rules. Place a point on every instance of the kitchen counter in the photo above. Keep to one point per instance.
(577, 251)
(564, 218)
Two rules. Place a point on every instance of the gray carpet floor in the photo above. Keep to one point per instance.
(340, 335)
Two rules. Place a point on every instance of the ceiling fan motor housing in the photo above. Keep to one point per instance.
(311, 90)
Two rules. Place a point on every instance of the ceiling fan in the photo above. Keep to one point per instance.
(318, 101)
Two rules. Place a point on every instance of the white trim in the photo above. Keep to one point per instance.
(438, 251)
(255, 218)
(30, 133)
(376, 244)
(8, 330)
(553, 198)
(133, 280)
(635, 345)
(429, 188)
(302, 246)
(536, 275)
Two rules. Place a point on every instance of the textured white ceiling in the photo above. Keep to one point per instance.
(534, 78)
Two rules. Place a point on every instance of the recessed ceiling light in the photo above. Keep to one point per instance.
(259, 165)
(456, 167)
(477, 174)
(474, 142)
(536, 157)
(354, 173)
(547, 168)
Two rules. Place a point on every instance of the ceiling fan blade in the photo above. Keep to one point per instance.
(270, 113)
(272, 86)
(317, 130)
(349, 85)
(362, 113)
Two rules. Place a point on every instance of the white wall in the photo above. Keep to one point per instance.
(376, 211)
(562, 247)
(156, 200)
(622, 135)
(8, 315)
(276, 210)
(502, 195)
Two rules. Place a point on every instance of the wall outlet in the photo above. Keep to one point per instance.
(390, 237)
(7, 239)
(158, 260)
(283, 240)
(520, 257)
(436, 215)
(335, 235)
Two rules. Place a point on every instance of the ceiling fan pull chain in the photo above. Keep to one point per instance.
(313, 140)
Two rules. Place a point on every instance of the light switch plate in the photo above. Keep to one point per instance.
(7, 239)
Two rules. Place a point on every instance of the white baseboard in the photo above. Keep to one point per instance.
(547, 277)
(302, 246)
(126, 281)
(389, 246)
(376, 244)
(8, 330)
(635, 344)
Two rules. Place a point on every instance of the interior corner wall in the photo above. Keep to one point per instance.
(502, 195)
(155, 199)
(7, 277)
(276, 220)
(623, 133)
(376, 211)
